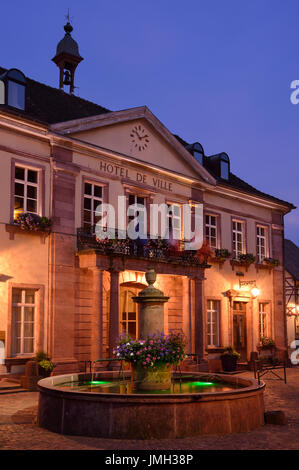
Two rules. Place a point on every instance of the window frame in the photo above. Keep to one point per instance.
(267, 243)
(40, 169)
(217, 323)
(96, 182)
(217, 226)
(172, 203)
(39, 319)
(264, 313)
(244, 236)
(23, 305)
(125, 290)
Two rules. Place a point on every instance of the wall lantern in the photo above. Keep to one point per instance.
(255, 292)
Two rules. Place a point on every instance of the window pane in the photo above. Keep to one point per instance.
(87, 188)
(19, 189)
(32, 192)
(32, 176)
(131, 316)
(87, 203)
(29, 314)
(132, 330)
(16, 95)
(98, 191)
(31, 205)
(28, 330)
(87, 216)
(16, 342)
(19, 173)
(16, 314)
(96, 205)
(140, 200)
(16, 296)
(28, 345)
(19, 203)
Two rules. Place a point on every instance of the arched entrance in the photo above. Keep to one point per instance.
(128, 310)
(2, 352)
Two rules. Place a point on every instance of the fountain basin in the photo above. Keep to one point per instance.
(65, 408)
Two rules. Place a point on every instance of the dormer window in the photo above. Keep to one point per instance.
(224, 166)
(13, 89)
(196, 150)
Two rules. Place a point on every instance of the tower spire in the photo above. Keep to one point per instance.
(67, 57)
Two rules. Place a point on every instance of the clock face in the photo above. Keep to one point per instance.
(139, 138)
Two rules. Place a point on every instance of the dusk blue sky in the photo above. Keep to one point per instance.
(215, 71)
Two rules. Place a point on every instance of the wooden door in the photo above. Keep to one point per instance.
(239, 329)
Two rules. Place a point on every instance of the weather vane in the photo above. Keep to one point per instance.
(67, 17)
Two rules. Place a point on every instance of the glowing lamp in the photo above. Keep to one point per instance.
(255, 292)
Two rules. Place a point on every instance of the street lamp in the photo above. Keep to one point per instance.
(255, 292)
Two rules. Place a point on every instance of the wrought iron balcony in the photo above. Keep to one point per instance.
(155, 249)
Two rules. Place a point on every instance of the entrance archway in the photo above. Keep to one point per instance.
(128, 310)
(2, 352)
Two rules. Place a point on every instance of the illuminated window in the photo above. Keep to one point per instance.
(137, 208)
(263, 320)
(261, 242)
(238, 238)
(213, 313)
(174, 215)
(93, 198)
(23, 320)
(13, 89)
(128, 312)
(211, 230)
(26, 191)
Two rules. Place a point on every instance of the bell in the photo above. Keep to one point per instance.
(67, 78)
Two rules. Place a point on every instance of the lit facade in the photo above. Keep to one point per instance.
(58, 294)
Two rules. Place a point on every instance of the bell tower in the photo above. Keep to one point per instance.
(67, 58)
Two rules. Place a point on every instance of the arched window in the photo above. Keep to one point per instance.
(128, 312)
(14, 85)
(224, 166)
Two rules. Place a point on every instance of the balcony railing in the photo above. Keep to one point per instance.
(155, 249)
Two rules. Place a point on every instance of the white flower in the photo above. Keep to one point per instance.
(128, 344)
(118, 354)
(132, 354)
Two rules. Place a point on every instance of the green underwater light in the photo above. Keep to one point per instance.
(201, 384)
(97, 382)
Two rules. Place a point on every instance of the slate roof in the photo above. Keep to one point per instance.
(50, 105)
(234, 182)
(291, 258)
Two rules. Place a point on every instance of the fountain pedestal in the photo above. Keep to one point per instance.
(151, 320)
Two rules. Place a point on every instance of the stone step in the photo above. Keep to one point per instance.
(8, 391)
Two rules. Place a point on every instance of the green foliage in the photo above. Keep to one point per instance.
(47, 365)
(230, 351)
(41, 356)
(154, 351)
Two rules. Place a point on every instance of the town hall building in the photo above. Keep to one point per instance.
(65, 292)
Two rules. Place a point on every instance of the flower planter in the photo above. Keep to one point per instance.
(43, 372)
(148, 378)
(229, 362)
(265, 352)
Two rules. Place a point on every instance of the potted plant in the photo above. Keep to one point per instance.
(204, 253)
(45, 366)
(266, 346)
(152, 358)
(271, 261)
(221, 254)
(229, 359)
(33, 222)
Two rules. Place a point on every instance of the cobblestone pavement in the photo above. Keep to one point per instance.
(19, 431)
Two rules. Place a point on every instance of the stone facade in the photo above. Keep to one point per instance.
(79, 292)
